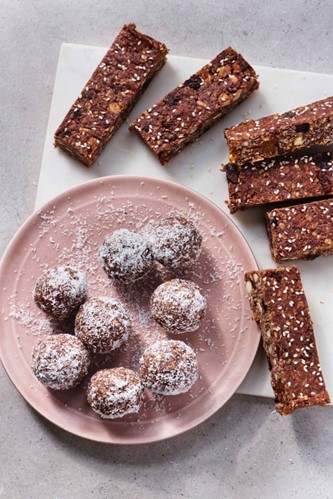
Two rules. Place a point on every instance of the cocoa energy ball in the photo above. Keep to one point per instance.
(168, 367)
(60, 361)
(175, 241)
(125, 256)
(59, 291)
(102, 324)
(178, 306)
(113, 393)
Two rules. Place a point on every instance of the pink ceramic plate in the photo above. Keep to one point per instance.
(69, 229)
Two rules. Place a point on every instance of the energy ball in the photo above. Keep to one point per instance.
(168, 367)
(175, 242)
(60, 361)
(102, 324)
(125, 256)
(60, 291)
(113, 393)
(178, 306)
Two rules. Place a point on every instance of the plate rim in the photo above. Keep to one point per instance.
(60, 198)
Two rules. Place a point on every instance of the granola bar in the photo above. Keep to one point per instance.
(110, 94)
(195, 105)
(306, 126)
(304, 231)
(279, 179)
(280, 307)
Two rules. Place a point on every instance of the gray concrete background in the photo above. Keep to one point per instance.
(246, 449)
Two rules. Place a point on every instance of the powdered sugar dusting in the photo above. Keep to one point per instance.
(114, 393)
(102, 324)
(169, 367)
(60, 291)
(175, 241)
(60, 362)
(178, 305)
(125, 255)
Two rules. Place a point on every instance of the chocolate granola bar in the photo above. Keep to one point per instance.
(278, 134)
(280, 307)
(110, 94)
(304, 231)
(276, 180)
(195, 105)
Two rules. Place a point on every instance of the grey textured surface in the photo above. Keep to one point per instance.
(246, 449)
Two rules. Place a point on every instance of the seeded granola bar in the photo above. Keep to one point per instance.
(110, 94)
(306, 126)
(280, 307)
(304, 231)
(277, 180)
(195, 105)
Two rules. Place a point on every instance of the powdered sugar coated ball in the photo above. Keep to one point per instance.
(60, 361)
(113, 393)
(60, 291)
(178, 305)
(168, 367)
(175, 241)
(102, 324)
(125, 256)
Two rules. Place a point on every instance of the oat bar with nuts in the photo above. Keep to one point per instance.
(278, 134)
(110, 94)
(280, 307)
(276, 180)
(195, 105)
(304, 231)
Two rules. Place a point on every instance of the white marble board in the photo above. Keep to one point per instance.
(197, 167)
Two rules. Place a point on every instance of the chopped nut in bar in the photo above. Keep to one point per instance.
(287, 178)
(303, 231)
(110, 94)
(189, 110)
(303, 127)
(280, 307)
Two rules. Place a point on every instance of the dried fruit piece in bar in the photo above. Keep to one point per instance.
(280, 179)
(304, 231)
(110, 94)
(195, 105)
(303, 127)
(280, 307)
